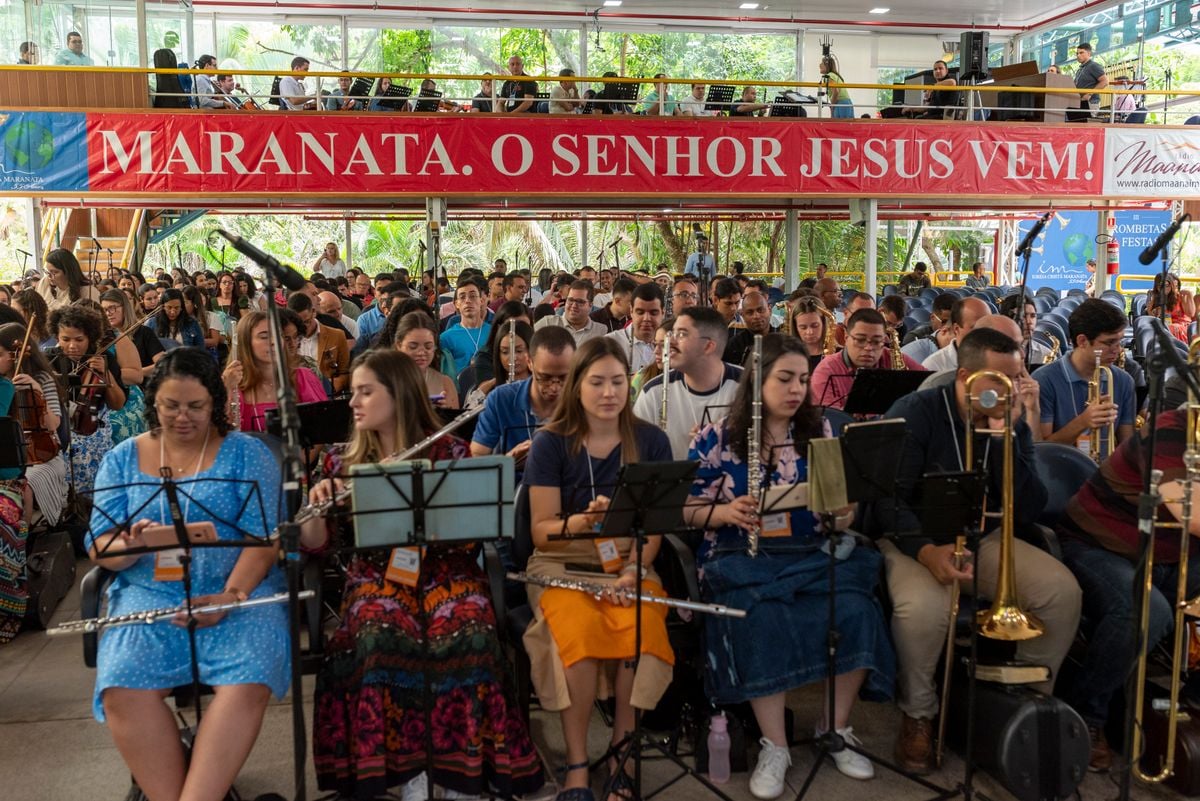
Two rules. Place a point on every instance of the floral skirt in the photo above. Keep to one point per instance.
(131, 419)
(14, 593)
(88, 451)
(392, 666)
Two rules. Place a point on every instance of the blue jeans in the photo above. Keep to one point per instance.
(1110, 607)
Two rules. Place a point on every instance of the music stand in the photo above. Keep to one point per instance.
(864, 469)
(619, 94)
(648, 497)
(428, 504)
(360, 90)
(395, 97)
(783, 106)
(719, 98)
(429, 100)
(874, 391)
(321, 422)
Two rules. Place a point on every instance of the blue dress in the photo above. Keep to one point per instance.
(784, 591)
(249, 646)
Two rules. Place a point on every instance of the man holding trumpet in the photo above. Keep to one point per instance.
(921, 565)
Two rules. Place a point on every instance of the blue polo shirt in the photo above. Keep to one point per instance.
(1064, 393)
(507, 418)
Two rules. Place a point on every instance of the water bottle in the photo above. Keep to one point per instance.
(718, 750)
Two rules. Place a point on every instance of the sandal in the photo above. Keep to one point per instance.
(576, 793)
(621, 785)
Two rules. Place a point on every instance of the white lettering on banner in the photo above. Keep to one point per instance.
(907, 158)
(1022, 163)
(309, 144)
(399, 151)
(362, 155)
(217, 155)
(142, 145)
(498, 155)
(1151, 163)
(181, 152)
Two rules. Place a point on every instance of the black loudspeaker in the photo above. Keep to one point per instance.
(973, 55)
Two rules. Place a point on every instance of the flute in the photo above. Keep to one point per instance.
(666, 373)
(754, 444)
(597, 589)
(235, 401)
(94, 624)
(512, 350)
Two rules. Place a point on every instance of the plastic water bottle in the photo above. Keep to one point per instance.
(718, 750)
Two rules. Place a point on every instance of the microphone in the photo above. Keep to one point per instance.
(1166, 346)
(1027, 243)
(25, 253)
(283, 273)
(96, 242)
(1147, 256)
(614, 243)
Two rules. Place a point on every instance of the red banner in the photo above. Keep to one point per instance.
(306, 154)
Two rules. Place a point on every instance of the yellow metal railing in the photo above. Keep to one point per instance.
(52, 221)
(1148, 279)
(131, 238)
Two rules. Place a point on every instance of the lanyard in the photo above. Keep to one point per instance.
(161, 462)
(958, 451)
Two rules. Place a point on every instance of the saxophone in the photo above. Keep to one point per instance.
(1054, 349)
(830, 344)
(754, 443)
(897, 356)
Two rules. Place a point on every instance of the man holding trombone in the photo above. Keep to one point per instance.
(923, 566)
(1100, 543)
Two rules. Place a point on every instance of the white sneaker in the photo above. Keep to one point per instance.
(417, 789)
(852, 763)
(773, 763)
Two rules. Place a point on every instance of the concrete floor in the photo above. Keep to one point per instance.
(51, 749)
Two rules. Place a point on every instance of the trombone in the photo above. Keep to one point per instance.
(1005, 620)
(1102, 441)
(1179, 655)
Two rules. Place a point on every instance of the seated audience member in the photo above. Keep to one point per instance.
(1096, 329)
(963, 315)
(510, 352)
(577, 305)
(1176, 305)
(583, 647)
(912, 283)
(513, 412)
(518, 96)
(172, 321)
(1101, 545)
(939, 97)
(249, 375)
(921, 342)
(749, 105)
(756, 315)
(212, 324)
(854, 301)
(330, 305)
(481, 362)
(700, 385)
(893, 310)
(417, 337)
(374, 318)
(516, 288)
(659, 103)
(242, 655)
(693, 104)
(812, 323)
(495, 293)
(293, 95)
(72, 55)
(340, 100)
(463, 339)
(654, 367)
(919, 567)
(1034, 350)
(564, 95)
(978, 279)
(29, 54)
(726, 298)
(685, 293)
(482, 102)
(614, 315)
(64, 282)
(783, 588)
(830, 293)
(866, 349)
(646, 314)
(322, 345)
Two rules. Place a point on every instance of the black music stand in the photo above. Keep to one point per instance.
(171, 490)
(874, 391)
(618, 94)
(869, 471)
(648, 498)
(719, 98)
(395, 97)
(360, 90)
(321, 422)
(405, 497)
(784, 106)
(428, 101)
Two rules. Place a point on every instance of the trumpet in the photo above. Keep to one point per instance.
(94, 624)
(1179, 651)
(1101, 441)
(754, 480)
(1005, 620)
(596, 589)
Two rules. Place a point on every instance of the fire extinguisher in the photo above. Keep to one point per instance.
(1114, 247)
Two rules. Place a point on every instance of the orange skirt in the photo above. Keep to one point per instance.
(586, 628)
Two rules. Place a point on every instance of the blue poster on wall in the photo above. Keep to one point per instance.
(1060, 253)
(43, 152)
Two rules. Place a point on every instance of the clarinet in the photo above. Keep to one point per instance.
(754, 443)
(666, 371)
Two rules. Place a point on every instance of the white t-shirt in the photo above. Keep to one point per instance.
(308, 345)
(690, 105)
(290, 87)
(686, 410)
(944, 359)
(334, 269)
(638, 353)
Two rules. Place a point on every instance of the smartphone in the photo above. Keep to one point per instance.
(164, 536)
(441, 396)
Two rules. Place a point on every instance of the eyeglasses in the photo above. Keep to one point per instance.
(868, 342)
(174, 410)
(549, 380)
(684, 335)
(686, 295)
(577, 301)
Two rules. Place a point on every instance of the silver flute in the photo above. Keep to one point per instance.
(149, 616)
(666, 372)
(235, 403)
(512, 350)
(596, 589)
(754, 444)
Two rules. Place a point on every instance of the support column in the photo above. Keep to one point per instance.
(583, 241)
(871, 221)
(435, 224)
(891, 246)
(349, 254)
(791, 251)
(33, 224)
(140, 15)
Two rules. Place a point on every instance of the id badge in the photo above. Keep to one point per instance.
(1084, 443)
(404, 566)
(776, 524)
(168, 565)
(610, 557)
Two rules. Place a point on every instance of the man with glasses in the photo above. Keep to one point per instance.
(684, 295)
(830, 293)
(866, 349)
(516, 287)
(577, 306)
(464, 339)
(701, 386)
(646, 313)
(1096, 328)
(514, 411)
(73, 55)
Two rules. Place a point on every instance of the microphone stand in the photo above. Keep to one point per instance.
(293, 480)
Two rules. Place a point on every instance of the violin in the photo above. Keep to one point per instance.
(29, 408)
(85, 414)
